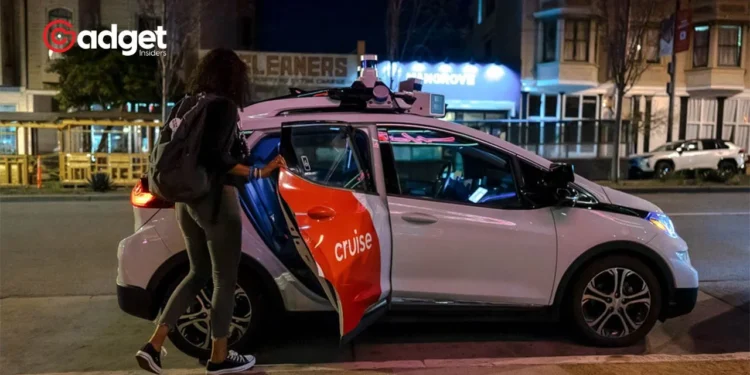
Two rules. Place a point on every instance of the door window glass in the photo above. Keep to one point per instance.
(690, 146)
(331, 156)
(435, 165)
(709, 144)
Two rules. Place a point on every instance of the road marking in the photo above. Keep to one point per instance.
(455, 363)
(707, 213)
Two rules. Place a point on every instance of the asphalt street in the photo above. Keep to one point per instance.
(58, 265)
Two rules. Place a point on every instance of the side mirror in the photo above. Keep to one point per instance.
(559, 176)
(680, 150)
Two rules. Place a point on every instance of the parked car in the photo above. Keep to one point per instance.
(387, 211)
(697, 154)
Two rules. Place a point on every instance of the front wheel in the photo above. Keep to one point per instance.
(662, 169)
(192, 333)
(727, 169)
(615, 301)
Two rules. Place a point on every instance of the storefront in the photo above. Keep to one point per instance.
(273, 73)
(473, 92)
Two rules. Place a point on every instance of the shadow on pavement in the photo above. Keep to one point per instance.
(727, 332)
(312, 339)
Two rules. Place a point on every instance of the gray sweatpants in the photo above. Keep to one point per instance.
(214, 249)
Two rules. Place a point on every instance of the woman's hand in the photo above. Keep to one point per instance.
(273, 165)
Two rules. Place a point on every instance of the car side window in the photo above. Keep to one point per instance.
(690, 146)
(709, 144)
(435, 165)
(331, 156)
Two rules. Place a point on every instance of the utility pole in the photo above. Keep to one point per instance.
(672, 72)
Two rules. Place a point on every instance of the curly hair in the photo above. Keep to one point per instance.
(223, 73)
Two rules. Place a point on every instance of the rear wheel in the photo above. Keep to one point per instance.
(192, 334)
(615, 301)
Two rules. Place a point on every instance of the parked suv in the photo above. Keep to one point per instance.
(387, 211)
(697, 154)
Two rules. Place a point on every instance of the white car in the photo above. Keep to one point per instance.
(387, 211)
(697, 154)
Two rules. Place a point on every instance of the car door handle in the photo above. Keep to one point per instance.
(321, 213)
(419, 218)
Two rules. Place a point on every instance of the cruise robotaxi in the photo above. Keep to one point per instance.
(386, 211)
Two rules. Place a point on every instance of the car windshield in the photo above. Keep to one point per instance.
(668, 147)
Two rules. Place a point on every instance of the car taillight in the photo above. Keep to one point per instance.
(140, 197)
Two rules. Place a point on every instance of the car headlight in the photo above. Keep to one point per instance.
(663, 222)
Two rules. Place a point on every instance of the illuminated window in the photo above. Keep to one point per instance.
(730, 45)
(700, 46)
(576, 40)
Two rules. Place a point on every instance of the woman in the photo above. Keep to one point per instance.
(211, 225)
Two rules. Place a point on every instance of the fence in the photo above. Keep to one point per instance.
(116, 144)
(589, 144)
(561, 139)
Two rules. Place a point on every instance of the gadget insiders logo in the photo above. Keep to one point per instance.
(59, 36)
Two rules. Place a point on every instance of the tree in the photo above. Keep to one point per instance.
(415, 29)
(179, 20)
(104, 77)
(623, 27)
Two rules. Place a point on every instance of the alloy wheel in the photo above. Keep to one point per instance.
(616, 302)
(195, 326)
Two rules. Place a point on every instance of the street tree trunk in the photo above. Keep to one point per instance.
(618, 133)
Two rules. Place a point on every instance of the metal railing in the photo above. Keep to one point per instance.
(562, 139)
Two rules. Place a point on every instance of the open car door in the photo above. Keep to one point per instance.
(338, 222)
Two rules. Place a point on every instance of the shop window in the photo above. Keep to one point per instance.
(550, 105)
(549, 40)
(571, 106)
(700, 46)
(488, 48)
(535, 105)
(589, 107)
(730, 45)
(8, 137)
(576, 40)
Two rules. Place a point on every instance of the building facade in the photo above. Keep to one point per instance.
(565, 77)
(27, 86)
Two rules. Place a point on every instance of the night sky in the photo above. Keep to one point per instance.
(331, 26)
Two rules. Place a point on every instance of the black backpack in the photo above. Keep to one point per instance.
(174, 173)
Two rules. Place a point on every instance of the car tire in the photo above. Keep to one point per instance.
(249, 293)
(662, 169)
(608, 316)
(727, 169)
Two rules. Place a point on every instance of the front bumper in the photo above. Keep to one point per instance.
(137, 302)
(681, 302)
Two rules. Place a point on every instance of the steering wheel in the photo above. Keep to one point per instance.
(441, 185)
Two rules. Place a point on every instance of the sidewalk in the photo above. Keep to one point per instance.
(700, 364)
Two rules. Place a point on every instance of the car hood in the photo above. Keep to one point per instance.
(612, 196)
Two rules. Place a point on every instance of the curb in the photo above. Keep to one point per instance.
(65, 197)
(683, 189)
(464, 366)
